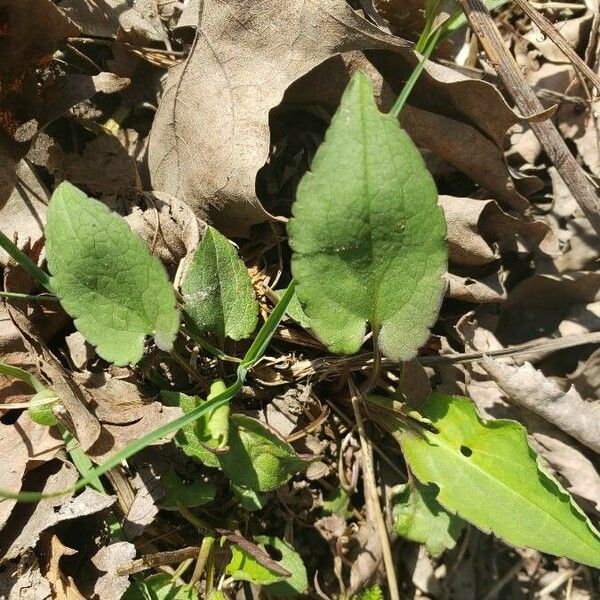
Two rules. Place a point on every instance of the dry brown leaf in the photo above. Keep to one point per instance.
(24, 581)
(73, 399)
(64, 587)
(448, 138)
(531, 389)
(477, 227)
(143, 510)
(108, 559)
(98, 18)
(168, 226)
(24, 526)
(23, 215)
(536, 306)
(479, 291)
(115, 437)
(211, 134)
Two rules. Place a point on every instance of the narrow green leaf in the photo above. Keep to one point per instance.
(106, 278)
(488, 475)
(367, 217)
(257, 458)
(262, 340)
(295, 311)
(419, 517)
(217, 290)
(25, 376)
(292, 562)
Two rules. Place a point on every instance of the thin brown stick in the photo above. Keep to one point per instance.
(555, 147)
(548, 29)
(151, 561)
(373, 498)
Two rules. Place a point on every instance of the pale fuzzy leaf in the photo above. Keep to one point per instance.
(106, 278)
(487, 474)
(377, 232)
(217, 290)
(531, 389)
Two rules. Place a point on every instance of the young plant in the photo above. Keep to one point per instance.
(367, 216)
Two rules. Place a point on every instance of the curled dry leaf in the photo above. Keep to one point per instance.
(531, 389)
(108, 559)
(23, 529)
(23, 214)
(487, 290)
(478, 228)
(168, 226)
(63, 586)
(115, 437)
(211, 133)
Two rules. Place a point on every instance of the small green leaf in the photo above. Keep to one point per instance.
(291, 561)
(367, 233)
(159, 587)
(40, 408)
(488, 475)
(419, 517)
(372, 593)
(217, 290)
(192, 494)
(216, 595)
(210, 430)
(249, 499)
(257, 458)
(245, 567)
(337, 503)
(106, 278)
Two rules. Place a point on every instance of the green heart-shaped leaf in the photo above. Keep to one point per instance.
(367, 233)
(106, 278)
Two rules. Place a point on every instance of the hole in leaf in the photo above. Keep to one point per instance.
(273, 552)
(466, 451)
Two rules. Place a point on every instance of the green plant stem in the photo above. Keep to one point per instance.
(253, 355)
(203, 555)
(416, 73)
(40, 276)
(32, 297)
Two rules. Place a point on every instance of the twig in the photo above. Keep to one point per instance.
(555, 147)
(373, 498)
(151, 561)
(562, 44)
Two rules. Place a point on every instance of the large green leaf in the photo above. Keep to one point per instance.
(106, 278)
(367, 233)
(217, 290)
(488, 475)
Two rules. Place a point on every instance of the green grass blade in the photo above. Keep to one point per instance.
(40, 276)
(22, 375)
(262, 340)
